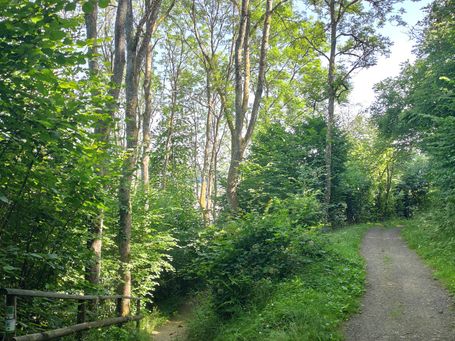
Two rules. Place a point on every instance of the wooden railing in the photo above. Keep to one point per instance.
(11, 314)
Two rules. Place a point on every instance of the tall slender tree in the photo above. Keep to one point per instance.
(148, 102)
(93, 270)
(137, 44)
(147, 118)
(209, 21)
(242, 125)
(354, 43)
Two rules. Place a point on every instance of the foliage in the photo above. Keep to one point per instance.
(412, 189)
(258, 248)
(151, 243)
(309, 305)
(382, 179)
(286, 161)
(129, 332)
(183, 221)
(269, 272)
(427, 234)
(358, 179)
(49, 187)
(420, 102)
(52, 188)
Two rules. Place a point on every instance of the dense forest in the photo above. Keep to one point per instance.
(204, 151)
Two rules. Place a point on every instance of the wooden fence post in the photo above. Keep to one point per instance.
(138, 312)
(10, 318)
(81, 315)
(119, 306)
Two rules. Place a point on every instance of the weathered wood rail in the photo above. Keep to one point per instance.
(11, 314)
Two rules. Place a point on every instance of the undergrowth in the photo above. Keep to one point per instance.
(434, 244)
(129, 332)
(310, 305)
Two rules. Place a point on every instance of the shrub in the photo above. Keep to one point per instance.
(258, 248)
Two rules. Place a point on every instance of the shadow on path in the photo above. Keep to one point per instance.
(175, 329)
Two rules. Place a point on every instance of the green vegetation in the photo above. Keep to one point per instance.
(162, 148)
(309, 305)
(417, 109)
(434, 245)
(129, 332)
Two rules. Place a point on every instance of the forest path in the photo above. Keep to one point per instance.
(402, 299)
(176, 328)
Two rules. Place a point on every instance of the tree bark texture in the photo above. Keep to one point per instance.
(94, 243)
(242, 67)
(205, 193)
(147, 118)
(137, 44)
(331, 109)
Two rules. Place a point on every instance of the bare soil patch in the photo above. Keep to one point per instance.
(175, 329)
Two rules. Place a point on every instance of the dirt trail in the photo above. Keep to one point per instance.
(402, 300)
(176, 328)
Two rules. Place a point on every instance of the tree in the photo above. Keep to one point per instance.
(354, 43)
(137, 46)
(420, 109)
(148, 106)
(242, 78)
(208, 26)
(94, 243)
(48, 147)
(289, 160)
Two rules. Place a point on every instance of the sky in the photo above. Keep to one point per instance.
(363, 81)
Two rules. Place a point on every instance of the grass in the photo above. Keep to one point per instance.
(434, 245)
(310, 306)
(314, 304)
(129, 332)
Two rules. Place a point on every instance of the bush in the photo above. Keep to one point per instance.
(309, 305)
(183, 221)
(412, 189)
(428, 234)
(257, 249)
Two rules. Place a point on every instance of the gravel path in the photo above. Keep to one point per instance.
(176, 328)
(402, 300)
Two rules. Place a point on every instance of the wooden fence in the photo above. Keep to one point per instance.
(11, 314)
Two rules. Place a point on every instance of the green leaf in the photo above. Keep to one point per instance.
(36, 19)
(68, 85)
(70, 7)
(35, 255)
(57, 34)
(87, 7)
(104, 3)
(9, 268)
(4, 199)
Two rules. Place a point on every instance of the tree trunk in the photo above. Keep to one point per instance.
(233, 174)
(136, 51)
(213, 167)
(147, 117)
(242, 90)
(205, 194)
(176, 68)
(116, 82)
(119, 53)
(94, 243)
(331, 110)
(128, 167)
(170, 133)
